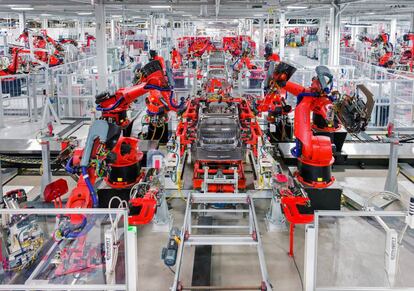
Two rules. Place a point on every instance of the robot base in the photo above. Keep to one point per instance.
(314, 176)
(323, 199)
(123, 176)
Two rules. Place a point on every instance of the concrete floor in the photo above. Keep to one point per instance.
(347, 248)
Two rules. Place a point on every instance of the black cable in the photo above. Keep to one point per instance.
(297, 269)
(171, 270)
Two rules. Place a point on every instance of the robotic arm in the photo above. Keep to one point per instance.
(151, 80)
(314, 152)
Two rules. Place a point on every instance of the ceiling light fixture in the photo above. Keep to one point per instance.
(84, 13)
(160, 6)
(21, 8)
(358, 25)
(296, 7)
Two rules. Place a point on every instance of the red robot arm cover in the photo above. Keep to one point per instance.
(316, 150)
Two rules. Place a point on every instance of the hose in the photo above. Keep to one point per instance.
(69, 168)
(152, 113)
(305, 94)
(90, 187)
(168, 89)
(117, 103)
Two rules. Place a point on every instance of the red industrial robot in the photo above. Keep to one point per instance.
(176, 58)
(408, 55)
(270, 56)
(385, 59)
(116, 158)
(314, 153)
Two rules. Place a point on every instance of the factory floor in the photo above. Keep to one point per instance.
(347, 247)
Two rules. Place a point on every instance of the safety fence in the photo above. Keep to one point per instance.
(69, 88)
(359, 250)
(76, 93)
(393, 93)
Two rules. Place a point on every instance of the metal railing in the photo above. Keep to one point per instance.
(381, 261)
(76, 92)
(70, 88)
(21, 97)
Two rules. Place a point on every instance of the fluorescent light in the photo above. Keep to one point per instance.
(358, 25)
(187, 15)
(45, 14)
(116, 16)
(84, 13)
(258, 15)
(296, 7)
(160, 6)
(370, 13)
(21, 8)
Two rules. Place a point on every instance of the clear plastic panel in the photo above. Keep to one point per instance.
(352, 252)
(70, 249)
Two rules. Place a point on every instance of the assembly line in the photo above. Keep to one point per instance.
(268, 152)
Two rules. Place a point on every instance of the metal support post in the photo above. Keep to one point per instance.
(101, 51)
(82, 30)
(393, 31)
(260, 43)
(22, 21)
(282, 20)
(47, 171)
(1, 108)
(1, 184)
(391, 184)
(412, 22)
(391, 254)
(34, 96)
(310, 258)
(274, 30)
(335, 35)
(275, 220)
(354, 30)
(45, 23)
(163, 220)
(113, 31)
(132, 259)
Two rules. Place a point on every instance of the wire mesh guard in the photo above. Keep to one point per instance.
(83, 249)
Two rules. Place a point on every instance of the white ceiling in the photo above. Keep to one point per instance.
(217, 9)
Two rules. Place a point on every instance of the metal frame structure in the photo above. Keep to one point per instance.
(252, 238)
(129, 237)
(311, 248)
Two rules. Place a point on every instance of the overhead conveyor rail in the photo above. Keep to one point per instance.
(241, 203)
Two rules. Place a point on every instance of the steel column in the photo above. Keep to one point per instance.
(322, 30)
(47, 171)
(393, 31)
(282, 20)
(113, 32)
(101, 46)
(22, 21)
(335, 35)
(412, 22)
(310, 257)
(260, 42)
